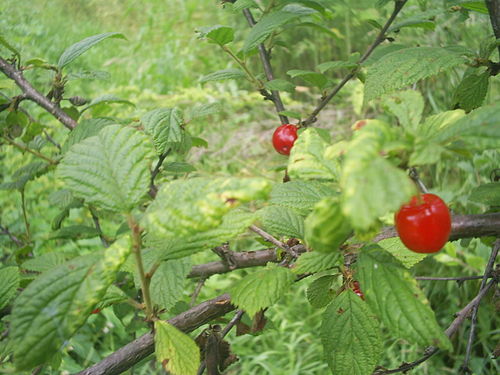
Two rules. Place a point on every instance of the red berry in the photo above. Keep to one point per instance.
(284, 137)
(96, 311)
(356, 289)
(424, 224)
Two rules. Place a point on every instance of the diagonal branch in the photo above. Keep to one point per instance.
(32, 94)
(494, 11)
(398, 5)
(268, 70)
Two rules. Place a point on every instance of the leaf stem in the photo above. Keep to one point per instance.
(25, 215)
(31, 151)
(136, 249)
(243, 65)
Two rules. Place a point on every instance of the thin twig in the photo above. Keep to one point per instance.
(273, 240)
(416, 178)
(489, 267)
(266, 63)
(197, 291)
(153, 190)
(494, 11)
(31, 151)
(52, 140)
(13, 238)
(32, 94)
(380, 38)
(25, 215)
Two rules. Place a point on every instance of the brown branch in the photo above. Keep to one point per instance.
(13, 238)
(97, 225)
(398, 5)
(22, 147)
(268, 70)
(494, 11)
(137, 350)
(271, 239)
(153, 189)
(32, 94)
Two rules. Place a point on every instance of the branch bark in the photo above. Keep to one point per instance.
(494, 11)
(32, 94)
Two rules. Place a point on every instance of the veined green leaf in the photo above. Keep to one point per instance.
(395, 297)
(313, 262)
(45, 262)
(186, 207)
(407, 66)
(110, 170)
(335, 65)
(282, 221)
(301, 195)
(108, 98)
(52, 308)
(314, 78)
(262, 288)
(308, 158)
(223, 74)
(9, 282)
(372, 186)
(407, 106)
(167, 283)
(218, 34)
(280, 85)
(165, 126)
(85, 129)
(472, 90)
(77, 49)
(322, 290)
(326, 228)
(351, 336)
(399, 251)
(265, 27)
(488, 194)
(175, 351)
(243, 4)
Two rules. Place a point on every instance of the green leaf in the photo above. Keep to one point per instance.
(407, 66)
(165, 126)
(399, 251)
(479, 129)
(3, 42)
(322, 291)
(262, 288)
(167, 283)
(351, 336)
(291, 114)
(218, 34)
(108, 98)
(314, 78)
(77, 49)
(56, 304)
(282, 221)
(407, 106)
(336, 65)
(265, 27)
(243, 4)
(233, 224)
(280, 85)
(223, 74)
(45, 262)
(175, 351)
(85, 129)
(394, 295)
(9, 282)
(75, 231)
(472, 90)
(25, 174)
(477, 6)
(204, 110)
(308, 158)
(488, 194)
(301, 195)
(186, 207)
(178, 167)
(110, 170)
(61, 198)
(313, 262)
(326, 228)
(371, 185)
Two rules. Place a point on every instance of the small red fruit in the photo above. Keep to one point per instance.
(356, 289)
(424, 224)
(284, 137)
(96, 311)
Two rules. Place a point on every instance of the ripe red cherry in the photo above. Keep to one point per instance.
(424, 224)
(284, 137)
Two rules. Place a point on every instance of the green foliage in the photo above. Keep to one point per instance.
(9, 282)
(167, 283)
(220, 35)
(322, 290)
(223, 74)
(165, 126)
(393, 295)
(78, 49)
(85, 129)
(109, 170)
(472, 90)
(326, 228)
(177, 353)
(57, 303)
(262, 288)
(488, 194)
(282, 221)
(400, 252)
(407, 66)
(313, 262)
(350, 336)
